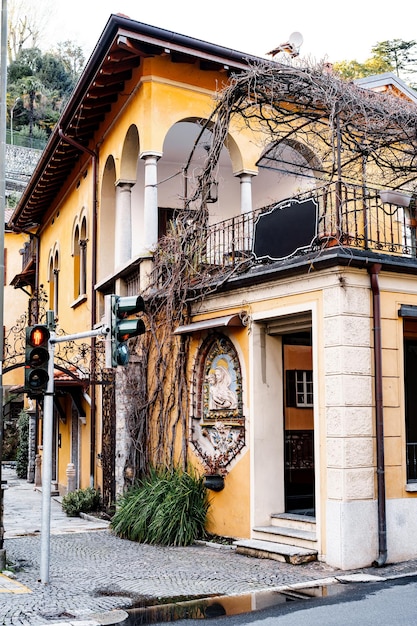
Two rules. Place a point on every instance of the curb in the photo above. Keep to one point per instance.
(92, 518)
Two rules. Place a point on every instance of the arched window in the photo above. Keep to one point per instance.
(76, 257)
(83, 257)
(79, 253)
(53, 280)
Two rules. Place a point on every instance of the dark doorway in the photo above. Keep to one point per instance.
(410, 387)
(298, 424)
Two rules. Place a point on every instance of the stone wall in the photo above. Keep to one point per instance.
(20, 164)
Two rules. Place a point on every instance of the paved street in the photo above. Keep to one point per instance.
(94, 575)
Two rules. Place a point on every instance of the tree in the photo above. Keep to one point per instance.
(27, 23)
(350, 70)
(43, 84)
(72, 56)
(22, 457)
(25, 64)
(401, 55)
(394, 55)
(53, 73)
(30, 88)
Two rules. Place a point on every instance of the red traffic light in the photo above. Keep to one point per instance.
(38, 336)
(36, 360)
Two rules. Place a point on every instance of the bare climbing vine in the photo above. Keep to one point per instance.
(347, 132)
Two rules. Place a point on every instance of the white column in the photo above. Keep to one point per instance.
(245, 193)
(246, 208)
(123, 234)
(150, 201)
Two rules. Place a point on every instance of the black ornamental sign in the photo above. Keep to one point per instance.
(288, 228)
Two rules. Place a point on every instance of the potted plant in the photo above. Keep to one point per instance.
(393, 196)
(215, 471)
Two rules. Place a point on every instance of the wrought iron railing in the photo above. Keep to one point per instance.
(347, 215)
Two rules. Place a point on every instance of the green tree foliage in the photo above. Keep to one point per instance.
(400, 55)
(39, 85)
(350, 70)
(81, 501)
(22, 457)
(395, 55)
(53, 73)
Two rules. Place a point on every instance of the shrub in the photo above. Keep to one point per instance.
(81, 501)
(167, 507)
(22, 455)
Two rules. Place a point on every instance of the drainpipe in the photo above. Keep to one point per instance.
(379, 415)
(94, 160)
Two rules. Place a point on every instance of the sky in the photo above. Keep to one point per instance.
(331, 31)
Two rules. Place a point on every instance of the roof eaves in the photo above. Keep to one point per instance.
(119, 25)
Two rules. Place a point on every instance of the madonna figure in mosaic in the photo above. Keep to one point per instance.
(220, 393)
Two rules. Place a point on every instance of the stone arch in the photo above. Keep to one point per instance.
(184, 155)
(129, 156)
(285, 169)
(106, 220)
(83, 223)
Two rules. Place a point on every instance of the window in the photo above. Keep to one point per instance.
(304, 388)
(299, 388)
(53, 281)
(77, 263)
(80, 259)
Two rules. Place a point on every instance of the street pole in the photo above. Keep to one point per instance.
(3, 97)
(48, 430)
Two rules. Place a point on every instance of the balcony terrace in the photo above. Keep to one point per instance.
(27, 276)
(347, 215)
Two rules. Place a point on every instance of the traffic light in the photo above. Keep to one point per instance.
(122, 327)
(36, 360)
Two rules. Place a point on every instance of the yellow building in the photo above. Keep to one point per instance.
(277, 356)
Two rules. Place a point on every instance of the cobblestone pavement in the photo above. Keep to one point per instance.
(93, 573)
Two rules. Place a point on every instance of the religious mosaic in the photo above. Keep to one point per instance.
(218, 424)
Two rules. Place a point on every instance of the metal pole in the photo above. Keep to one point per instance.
(103, 330)
(48, 431)
(11, 120)
(3, 97)
(48, 415)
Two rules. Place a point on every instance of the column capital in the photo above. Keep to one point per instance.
(121, 182)
(245, 173)
(149, 154)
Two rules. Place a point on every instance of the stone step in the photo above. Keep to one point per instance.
(276, 551)
(291, 520)
(291, 536)
(288, 531)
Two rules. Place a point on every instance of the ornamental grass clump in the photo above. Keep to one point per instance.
(167, 507)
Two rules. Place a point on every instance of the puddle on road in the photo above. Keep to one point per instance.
(172, 609)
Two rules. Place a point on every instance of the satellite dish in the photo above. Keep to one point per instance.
(296, 39)
(291, 46)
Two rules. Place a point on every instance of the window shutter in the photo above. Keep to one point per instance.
(290, 391)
